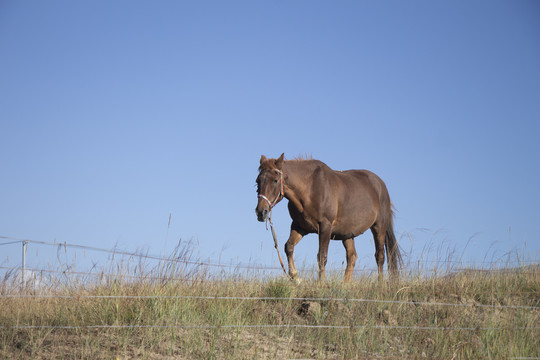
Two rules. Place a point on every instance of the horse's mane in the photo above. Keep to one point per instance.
(269, 164)
(307, 161)
(303, 157)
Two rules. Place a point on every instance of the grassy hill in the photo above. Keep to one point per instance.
(198, 316)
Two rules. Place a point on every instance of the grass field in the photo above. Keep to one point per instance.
(193, 315)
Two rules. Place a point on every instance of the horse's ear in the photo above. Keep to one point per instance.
(279, 161)
(263, 159)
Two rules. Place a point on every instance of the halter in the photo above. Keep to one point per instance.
(281, 192)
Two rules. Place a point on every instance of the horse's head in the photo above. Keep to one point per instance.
(269, 186)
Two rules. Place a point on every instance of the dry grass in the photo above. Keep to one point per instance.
(499, 332)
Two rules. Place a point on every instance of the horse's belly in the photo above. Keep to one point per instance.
(344, 235)
(346, 228)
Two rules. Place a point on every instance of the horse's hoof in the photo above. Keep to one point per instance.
(296, 281)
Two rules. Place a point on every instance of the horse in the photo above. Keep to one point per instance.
(336, 205)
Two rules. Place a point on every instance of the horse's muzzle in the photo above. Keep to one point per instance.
(262, 214)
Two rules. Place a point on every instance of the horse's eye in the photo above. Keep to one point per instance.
(275, 181)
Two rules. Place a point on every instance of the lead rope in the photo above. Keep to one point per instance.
(269, 220)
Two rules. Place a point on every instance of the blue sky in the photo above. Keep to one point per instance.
(114, 115)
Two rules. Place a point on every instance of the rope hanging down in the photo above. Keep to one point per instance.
(276, 245)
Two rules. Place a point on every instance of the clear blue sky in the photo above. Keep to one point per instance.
(114, 114)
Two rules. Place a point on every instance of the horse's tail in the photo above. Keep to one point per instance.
(395, 262)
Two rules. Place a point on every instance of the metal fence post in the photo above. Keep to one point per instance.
(23, 270)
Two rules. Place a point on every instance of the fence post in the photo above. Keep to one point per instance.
(23, 270)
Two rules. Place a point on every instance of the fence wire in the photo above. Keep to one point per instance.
(263, 326)
(139, 255)
(263, 298)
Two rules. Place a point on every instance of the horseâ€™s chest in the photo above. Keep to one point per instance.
(308, 223)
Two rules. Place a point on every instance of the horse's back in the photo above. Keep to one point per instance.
(363, 182)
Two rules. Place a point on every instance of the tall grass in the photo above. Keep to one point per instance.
(413, 328)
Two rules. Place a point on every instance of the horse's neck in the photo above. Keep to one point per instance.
(297, 189)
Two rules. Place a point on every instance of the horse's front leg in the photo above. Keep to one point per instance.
(296, 235)
(325, 231)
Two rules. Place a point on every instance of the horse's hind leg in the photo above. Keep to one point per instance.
(296, 235)
(351, 258)
(378, 237)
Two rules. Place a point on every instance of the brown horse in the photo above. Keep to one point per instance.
(337, 205)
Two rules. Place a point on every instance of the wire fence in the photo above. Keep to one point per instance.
(256, 267)
(184, 261)
(40, 279)
(140, 255)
